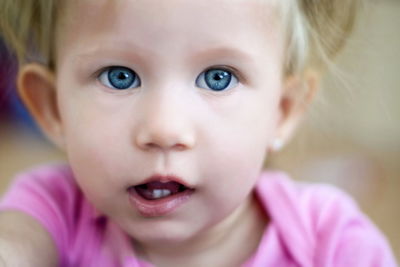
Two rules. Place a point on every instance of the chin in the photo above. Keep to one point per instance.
(156, 232)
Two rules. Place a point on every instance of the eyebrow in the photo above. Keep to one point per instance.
(132, 52)
(113, 50)
(224, 51)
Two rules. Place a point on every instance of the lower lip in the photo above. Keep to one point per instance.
(159, 207)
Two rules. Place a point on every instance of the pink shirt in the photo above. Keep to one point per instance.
(311, 225)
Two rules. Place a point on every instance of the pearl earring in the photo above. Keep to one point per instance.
(277, 144)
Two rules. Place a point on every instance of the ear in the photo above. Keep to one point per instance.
(298, 93)
(36, 87)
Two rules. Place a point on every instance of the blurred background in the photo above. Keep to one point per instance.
(351, 137)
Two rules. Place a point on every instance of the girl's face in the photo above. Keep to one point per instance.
(181, 97)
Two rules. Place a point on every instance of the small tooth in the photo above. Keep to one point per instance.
(157, 193)
(166, 192)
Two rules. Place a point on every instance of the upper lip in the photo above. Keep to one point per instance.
(165, 178)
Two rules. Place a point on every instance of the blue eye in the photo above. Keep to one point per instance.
(119, 78)
(216, 79)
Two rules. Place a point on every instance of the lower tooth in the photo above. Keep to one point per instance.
(166, 192)
(160, 193)
(157, 193)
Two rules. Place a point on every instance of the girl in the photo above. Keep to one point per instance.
(166, 111)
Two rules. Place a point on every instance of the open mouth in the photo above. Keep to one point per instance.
(160, 196)
(157, 190)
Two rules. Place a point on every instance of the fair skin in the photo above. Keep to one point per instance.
(170, 122)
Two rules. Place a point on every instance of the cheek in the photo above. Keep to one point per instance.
(230, 182)
(98, 164)
(95, 143)
(98, 151)
(235, 161)
(89, 129)
(239, 148)
(244, 136)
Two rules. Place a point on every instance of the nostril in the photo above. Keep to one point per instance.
(151, 145)
(178, 147)
(164, 141)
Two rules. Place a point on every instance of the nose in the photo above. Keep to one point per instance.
(165, 125)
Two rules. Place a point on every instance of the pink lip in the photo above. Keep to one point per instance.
(165, 178)
(162, 206)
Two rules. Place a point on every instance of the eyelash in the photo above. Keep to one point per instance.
(105, 75)
(129, 78)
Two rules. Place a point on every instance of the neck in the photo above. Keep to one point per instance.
(229, 243)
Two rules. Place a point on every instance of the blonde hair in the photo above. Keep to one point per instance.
(316, 30)
(28, 28)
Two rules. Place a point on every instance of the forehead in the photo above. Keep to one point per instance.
(168, 25)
